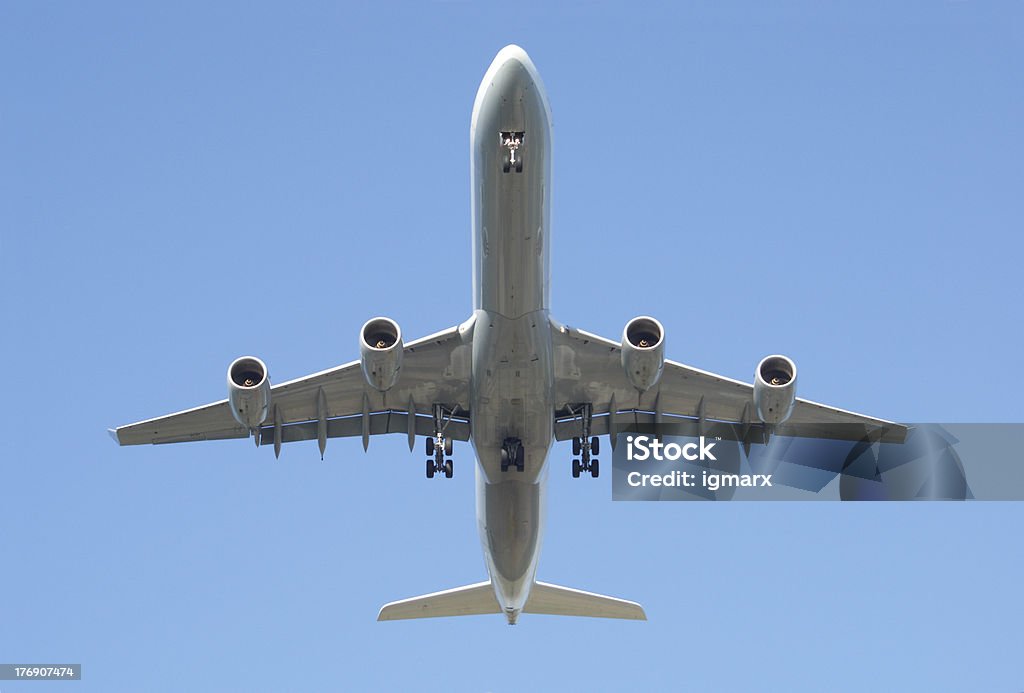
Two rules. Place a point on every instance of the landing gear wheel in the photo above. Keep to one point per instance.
(448, 446)
(519, 167)
(595, 446)
(430, 469)
(448, 470)
(504, 460)
(430, 446)
(506, 167)
(594, 468)
(575, 469)
(521, 459)
(576, 446)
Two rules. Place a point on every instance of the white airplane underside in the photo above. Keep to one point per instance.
(510, 379)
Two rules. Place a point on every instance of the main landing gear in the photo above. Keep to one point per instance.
(513, 454)
(437, 448)
(586, 463)
(440, 446)
(585, 447)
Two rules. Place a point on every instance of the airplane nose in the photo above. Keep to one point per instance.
(512, 90)
(513, 73)
(511, 52)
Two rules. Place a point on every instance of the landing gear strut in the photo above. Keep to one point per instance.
(585, 447)
(511, 141)
(513, 454)
(440, 446)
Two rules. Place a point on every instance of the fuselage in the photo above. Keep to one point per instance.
(512, 377)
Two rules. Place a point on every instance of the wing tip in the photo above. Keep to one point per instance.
(385, 612)
(112, 432)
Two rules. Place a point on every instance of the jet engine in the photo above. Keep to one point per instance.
(380, 350)
(774, 388)
(643, 351)
(249, 391)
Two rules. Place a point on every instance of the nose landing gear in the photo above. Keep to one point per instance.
(511, 141)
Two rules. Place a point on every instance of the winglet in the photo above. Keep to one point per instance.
(113, 434)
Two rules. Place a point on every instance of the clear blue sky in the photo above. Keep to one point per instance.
(840, 182)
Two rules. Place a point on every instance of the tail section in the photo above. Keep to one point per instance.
(461, 601)
(546, 598)
(479, 598)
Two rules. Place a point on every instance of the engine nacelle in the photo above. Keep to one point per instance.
(380, 350)
(643, 351)
(249, 391)
(774, 388)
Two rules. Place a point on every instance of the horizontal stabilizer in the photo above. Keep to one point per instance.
(564, 601)
(460, 601)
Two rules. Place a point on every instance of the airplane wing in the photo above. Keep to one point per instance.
(588, 369)
(435, 369)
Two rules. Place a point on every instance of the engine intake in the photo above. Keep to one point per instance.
(380, 351)
(774, 388)
(249, 391)
(643, 352)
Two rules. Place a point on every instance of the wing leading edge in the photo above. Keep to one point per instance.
(435, 369)
(588, 369)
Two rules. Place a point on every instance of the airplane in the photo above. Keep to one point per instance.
(510, 379)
